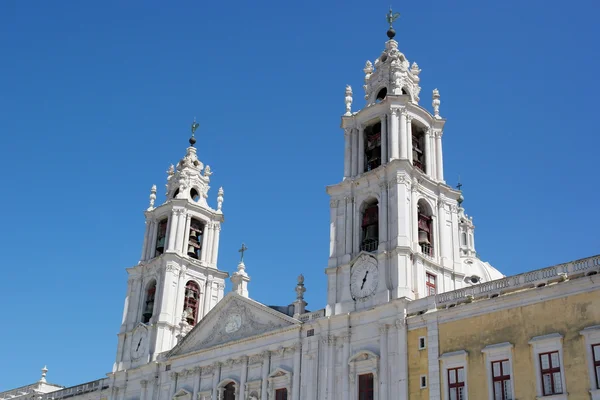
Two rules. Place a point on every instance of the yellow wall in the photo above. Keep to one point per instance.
(567, 316)
(417, 365)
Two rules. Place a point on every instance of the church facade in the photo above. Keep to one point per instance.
(411, 312)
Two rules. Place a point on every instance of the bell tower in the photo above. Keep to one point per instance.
(177, 281)
(394, 222)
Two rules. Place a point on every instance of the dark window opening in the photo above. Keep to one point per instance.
(404, 91)
(372, 147)
(176, 192)
(418, 147)
(310, 332)
(370, 227)
(195, 239)
(190, 304)
(431, 284)
(425, 230)
(281, 394)
(229, 391)
(381, 95)
(149, 303)
(365, 387)
(161, 237)
(194, 194)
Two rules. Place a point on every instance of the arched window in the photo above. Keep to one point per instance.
(370, 227)
(418, 147)
(372, 138)
(471, 239)
(190, 304)
(194, 194)
(195, 239)
(425, 228)
(463, 239)
(229, 391)
(381, 95)
(161, 237)
(149, 302)
(176, 192)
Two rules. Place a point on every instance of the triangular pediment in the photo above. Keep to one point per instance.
(234, 318)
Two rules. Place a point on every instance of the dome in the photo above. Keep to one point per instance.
(482, 269)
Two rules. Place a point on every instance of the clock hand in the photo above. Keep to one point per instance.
(364, 280)
(138, 346)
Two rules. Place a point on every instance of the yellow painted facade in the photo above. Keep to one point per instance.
(417, 364)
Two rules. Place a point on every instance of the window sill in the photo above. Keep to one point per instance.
(553, 397)
(595, 394)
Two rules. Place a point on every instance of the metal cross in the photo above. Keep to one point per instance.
(242, 250)
(459, 185)
(391, 17)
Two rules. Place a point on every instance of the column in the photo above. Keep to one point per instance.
(347, 152)
(394, 134)
(186, 233)
(384, 140)
(414, 213)
(173, 384)
(244, 376)
(179, 296)
(322, 366)
(197, 376)
(354, 152)
(361, 150)
(216, 379)
(383, 214)
(146, 240)
(438, 153)
(151, 247)
(409, 138)
(332, 225)
(428, 154)
(181, 215)
(441, 216)
(355, 226)
(403, 136)
(296, 376)
(345, 366)
(215, 247)
(348, 225)
(265, 373)
(383, 362)
(206, 236)
(207, 296)
(171, 230)
(402, 358)
(330, 366)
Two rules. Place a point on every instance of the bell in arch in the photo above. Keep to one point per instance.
(423, 237)
(371, 233)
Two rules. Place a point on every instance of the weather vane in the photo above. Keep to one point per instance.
(391, 17)
(195, 126)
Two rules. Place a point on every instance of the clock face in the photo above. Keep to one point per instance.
(139, 343)
(234, 322)
(364, 278)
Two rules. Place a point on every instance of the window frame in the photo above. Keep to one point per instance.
(495, 353)
(453, 361)
(370, 390)
(423, 378)
(363, 362)
(424, 339)
(548, 344)
(429, 285)
(591, 336)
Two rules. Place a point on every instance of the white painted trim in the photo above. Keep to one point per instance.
(421, 381)
(455, 359)
(545, 344)
(497, 352)
(591, 336)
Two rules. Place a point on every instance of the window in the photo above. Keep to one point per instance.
(190, 304)
(161, 236)
(431, 284)
(591, 337)
(310, 332)
(501, 380)
(463, 239)
(372, 139)
(418, 147)
(596, 357)
(370, 227)
(456, 383)
(422, 343)
(149, 302)
(499, 371)
(423, 381)
(281, 394)
(194, 249)
(425, 229)
(229, 391)
(365, 387)
(550, 372)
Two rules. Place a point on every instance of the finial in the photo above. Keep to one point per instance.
(242, 250)
(460, 197)
(152, 197)
(220, 198)
(44, 372)
(300, 289)
(390, 18)
(436, 103)
(195, 126)
(348, 100)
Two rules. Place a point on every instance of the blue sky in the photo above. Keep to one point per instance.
(96, 99)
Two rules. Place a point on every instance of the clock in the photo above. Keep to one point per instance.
(364, 278)
(234, 322)
(139, 343)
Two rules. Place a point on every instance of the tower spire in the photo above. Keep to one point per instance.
(195, 126)
(390, 18)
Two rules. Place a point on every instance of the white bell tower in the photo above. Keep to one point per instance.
(394, 228)
(177, 281)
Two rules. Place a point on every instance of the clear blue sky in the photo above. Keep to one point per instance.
(96, 99)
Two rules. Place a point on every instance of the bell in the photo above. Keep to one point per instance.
(371, 233)
(423, 237)
(190, 294)
(191, 251)
(149, 308)
(194, 235)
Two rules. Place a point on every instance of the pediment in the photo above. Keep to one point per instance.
(234, 318)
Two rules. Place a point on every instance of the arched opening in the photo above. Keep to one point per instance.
(425, 228)
(381, 95)
(176, 192)
(463, 239)
(149, 301)
(372, 138)
(229, 391)
(194, 194)
(161, 237)
(195, 239)
(418, 147)
(404, 91)
(370, 227)
(191, 301)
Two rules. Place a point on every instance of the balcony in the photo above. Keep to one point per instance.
(426, 249)
(369, 245)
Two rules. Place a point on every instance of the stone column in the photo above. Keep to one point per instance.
(322, 364)
(439, 159)
(428, 154)
(330, 368)
(384, 140)
(345, 367)
(347, 152)
(186, 234)
(354, 152)
(173, 384)
(394, 134)
(243, 377)
(361, 150)
(179, 296)
(383, 361)
(409, 144)
(172, 230)
(348, 237)
(296, 376)
(383, 214)
(265, 374)
(206, 241)
(147, 234)
(355, 226)
(402, 359)
(216, 379)
(415, 215)
(207, 296)
(151, 245)
(181, 222)
(333, 204)
(144, 385)
(197, 376)
(215, 247)
(403, 136)
(441, 217)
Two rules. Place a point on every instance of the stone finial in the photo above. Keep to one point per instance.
(152, 197)
(44, 372)
(220, 199)
(436, 104)
(368, 70)
(170, 171)
(300, 304)
(414, 69)
(348, 100)
(240, 280)
(207, 171)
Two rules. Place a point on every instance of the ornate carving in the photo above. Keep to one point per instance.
(399, 324)
(172, 268)
(383, 328)
(348, 100)
(334, 203)
(220, 198)
(436, 103)
(255, 359)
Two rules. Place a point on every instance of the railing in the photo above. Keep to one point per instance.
(426, 249)
(369, 245)
(312, 315)
(93, 386)
(21, 391)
